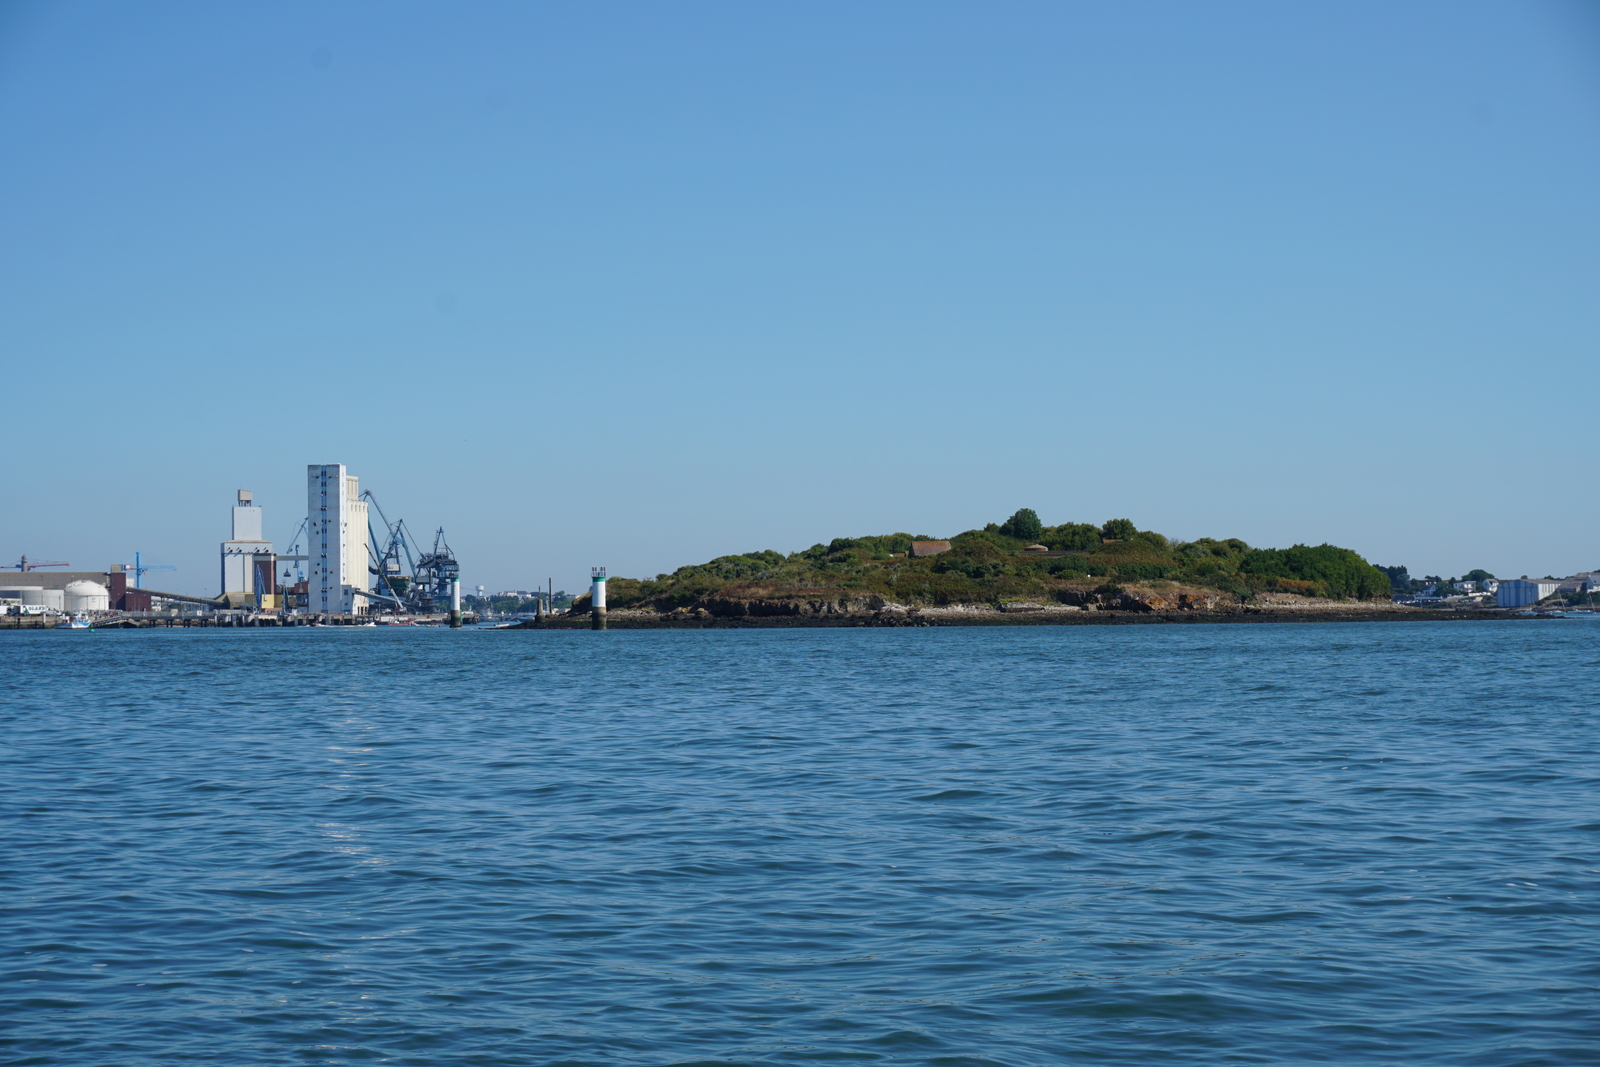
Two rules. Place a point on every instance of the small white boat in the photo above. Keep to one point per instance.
(76, 622)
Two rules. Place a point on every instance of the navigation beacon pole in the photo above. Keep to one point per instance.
(597, 599)
(455, 603)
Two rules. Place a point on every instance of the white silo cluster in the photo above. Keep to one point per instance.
(76, 597)
(37, 596)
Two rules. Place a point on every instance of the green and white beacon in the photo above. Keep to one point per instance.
(597, 598)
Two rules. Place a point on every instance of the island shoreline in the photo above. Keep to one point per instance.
(632, 621)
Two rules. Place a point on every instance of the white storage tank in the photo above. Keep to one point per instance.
(40, 597)
(86, 596)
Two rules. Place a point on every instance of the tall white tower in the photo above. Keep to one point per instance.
(336, 531)
(247, 563)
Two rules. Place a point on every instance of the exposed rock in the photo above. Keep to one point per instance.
(872, 609)
(839, 606)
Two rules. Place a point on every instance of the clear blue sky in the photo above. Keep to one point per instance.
(642, 284)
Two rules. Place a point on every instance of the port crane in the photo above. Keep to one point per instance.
(385, 553)
(25, 564)
(139, 566)
(420, 583)
(294, 556)
(436, 570)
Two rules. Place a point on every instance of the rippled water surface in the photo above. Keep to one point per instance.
(1339, 843)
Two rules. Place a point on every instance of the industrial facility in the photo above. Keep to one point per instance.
(352, 565)
(247, 561)
(339, 567)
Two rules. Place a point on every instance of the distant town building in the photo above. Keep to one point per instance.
(1582, 582)
(1520, 592)
(929, 548)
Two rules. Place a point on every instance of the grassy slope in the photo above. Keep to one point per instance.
(986, 566)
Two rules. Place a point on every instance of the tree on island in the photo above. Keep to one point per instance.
(1024, 525)
(1400, 582)
(1118, 530)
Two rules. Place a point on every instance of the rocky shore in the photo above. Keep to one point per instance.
(1126, 608)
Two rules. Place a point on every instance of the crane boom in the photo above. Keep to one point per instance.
(139, 567)
(25, 564)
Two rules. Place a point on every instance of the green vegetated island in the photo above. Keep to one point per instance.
(1016, 571)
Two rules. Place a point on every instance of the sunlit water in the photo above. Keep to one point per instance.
(1353, 843)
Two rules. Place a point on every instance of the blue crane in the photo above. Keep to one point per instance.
(294, 555)
(139, 566)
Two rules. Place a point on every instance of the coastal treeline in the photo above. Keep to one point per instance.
(1403, 585)
(1015, 559)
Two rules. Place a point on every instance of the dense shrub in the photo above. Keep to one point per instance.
(977, 558)
(750, 565)
(625, 592)
(879, 547)
(1071, 537)
(1339, 571)
(1118, 529)
(1209, 548)
(964, 542)
(1143, 572)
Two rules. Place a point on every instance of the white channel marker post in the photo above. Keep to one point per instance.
(597, 599)
(455, 603)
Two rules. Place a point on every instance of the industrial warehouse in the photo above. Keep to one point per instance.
(346, 564)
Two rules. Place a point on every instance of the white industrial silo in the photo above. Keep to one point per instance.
(49, 599)
(86, 596)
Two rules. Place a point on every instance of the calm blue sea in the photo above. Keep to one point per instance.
(1209, 844)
